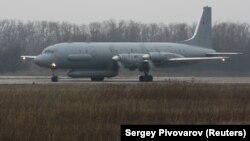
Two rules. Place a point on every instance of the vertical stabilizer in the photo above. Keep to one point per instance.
(203, 34)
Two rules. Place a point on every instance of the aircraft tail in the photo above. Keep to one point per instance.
(203, 34)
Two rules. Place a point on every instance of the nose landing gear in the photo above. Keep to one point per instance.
(54, 77)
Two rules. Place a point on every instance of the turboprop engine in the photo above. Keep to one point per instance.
(130, 61)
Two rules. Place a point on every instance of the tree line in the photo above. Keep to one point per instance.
(30, 38)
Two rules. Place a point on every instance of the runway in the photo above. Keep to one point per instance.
(122, 80)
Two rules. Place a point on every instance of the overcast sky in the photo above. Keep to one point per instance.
(147, 11)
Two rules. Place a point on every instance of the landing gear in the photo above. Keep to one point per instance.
(54, 77)
(97, 78)
(146, 77)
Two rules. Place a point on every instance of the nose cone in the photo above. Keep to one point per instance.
(44, 60)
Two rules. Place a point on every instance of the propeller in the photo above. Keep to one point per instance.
(147, 58)
(117, 58)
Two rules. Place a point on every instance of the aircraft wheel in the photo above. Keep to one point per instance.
(142, 78)
(150, 78)
(97, 78)
(54, 78)
(146, 78)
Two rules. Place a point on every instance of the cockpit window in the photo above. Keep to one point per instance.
(48, 51)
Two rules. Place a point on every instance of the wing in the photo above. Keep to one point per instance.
(187, 59)
(24, 57)
(166, 57)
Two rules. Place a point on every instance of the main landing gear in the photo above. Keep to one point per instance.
(146, 77)
(97, 78)
(54, 77)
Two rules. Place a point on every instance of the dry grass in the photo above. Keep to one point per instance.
(96, 111)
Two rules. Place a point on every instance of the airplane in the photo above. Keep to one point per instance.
(105, 59)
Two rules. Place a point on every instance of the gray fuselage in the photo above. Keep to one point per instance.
(102, 53)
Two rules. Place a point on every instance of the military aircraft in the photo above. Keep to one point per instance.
(100, 60)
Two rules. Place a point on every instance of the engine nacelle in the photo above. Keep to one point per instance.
(92, 73)
(131, 61)
(160, 57)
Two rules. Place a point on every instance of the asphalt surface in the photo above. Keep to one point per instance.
(121, 80)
